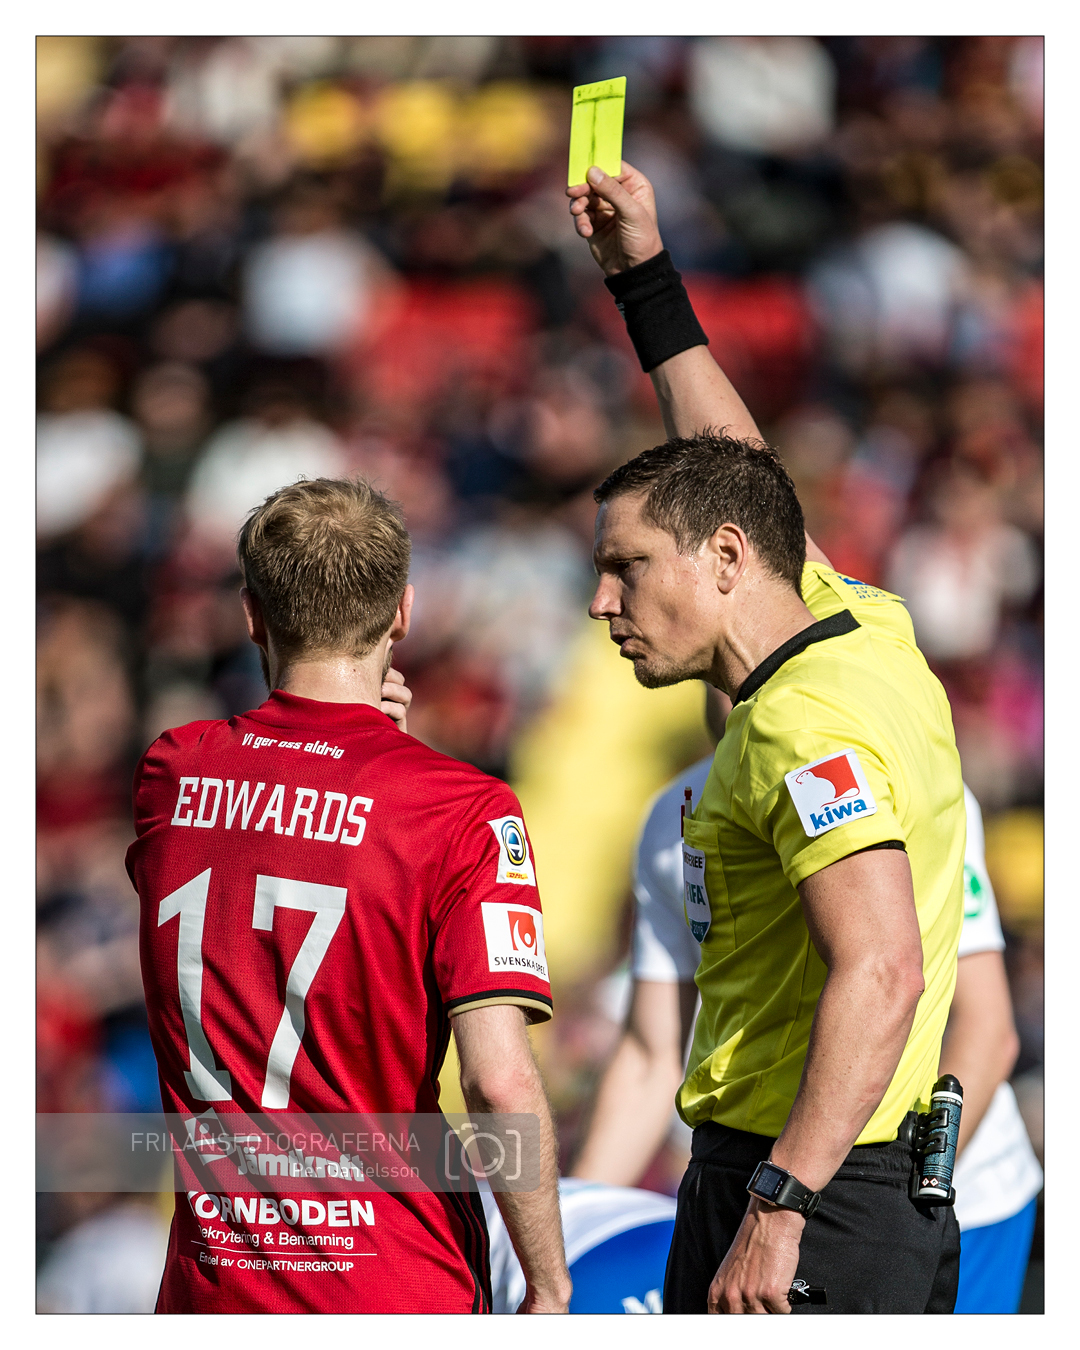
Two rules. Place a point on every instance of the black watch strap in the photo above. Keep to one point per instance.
(779, 1187)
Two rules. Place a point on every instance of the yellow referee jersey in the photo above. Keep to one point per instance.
(840, 739)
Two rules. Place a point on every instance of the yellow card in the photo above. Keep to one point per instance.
(596, 128)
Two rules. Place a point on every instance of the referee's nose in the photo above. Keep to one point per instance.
(605, 603)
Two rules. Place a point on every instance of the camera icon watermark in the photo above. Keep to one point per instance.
(493, 1155)
(499, 1150)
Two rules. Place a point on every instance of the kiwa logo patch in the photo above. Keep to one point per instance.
(515, 865)
(515, 939)
(830, 792)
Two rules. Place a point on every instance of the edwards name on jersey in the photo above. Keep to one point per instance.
(319, 892)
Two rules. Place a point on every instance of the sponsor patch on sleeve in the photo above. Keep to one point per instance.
(515, 865)
(974, 893)
(830, 792)
(696, 905)
(864, 591)
(515, 939)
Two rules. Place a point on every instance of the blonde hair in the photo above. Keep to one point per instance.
(328, 561)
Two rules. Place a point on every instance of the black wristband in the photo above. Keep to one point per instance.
(659, 316)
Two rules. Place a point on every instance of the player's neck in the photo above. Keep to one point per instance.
(334, 679)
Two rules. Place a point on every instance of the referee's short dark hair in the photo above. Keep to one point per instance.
(328, 560)
(695, 484)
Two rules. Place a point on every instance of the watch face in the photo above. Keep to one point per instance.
(769, 1181)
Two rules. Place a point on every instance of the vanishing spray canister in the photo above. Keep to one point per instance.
(936, 1144)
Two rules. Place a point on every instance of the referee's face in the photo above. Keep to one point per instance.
(661, 604)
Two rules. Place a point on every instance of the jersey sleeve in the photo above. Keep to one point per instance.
(664, 949)
(489, 943)
(982, 927)
(819, 790)
(826, 592)
(154, 779)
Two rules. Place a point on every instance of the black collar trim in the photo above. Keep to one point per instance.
(836, 625)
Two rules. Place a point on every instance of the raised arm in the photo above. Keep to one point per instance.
(499, 1074)
(617, 216)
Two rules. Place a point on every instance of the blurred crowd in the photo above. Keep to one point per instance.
(260, 258)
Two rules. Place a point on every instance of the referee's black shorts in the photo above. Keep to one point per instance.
(872, 1248)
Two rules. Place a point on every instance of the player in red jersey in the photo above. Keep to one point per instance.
(320, 895)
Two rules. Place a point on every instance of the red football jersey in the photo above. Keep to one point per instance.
(318, 893)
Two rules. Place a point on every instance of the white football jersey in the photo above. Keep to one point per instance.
(665, 950)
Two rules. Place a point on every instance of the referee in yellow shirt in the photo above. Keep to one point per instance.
(824, 862)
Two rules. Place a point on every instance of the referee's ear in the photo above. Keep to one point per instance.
(256, 625)
(729, 550)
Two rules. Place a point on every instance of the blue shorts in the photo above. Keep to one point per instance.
(993, 1262)
(625, 1274)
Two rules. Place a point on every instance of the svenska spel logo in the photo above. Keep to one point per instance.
(830, 792)
(522, 930)
(515, 939)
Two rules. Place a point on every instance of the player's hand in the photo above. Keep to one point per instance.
(618, 218)
(396, 697)
(757, 1272)
(549, 1302)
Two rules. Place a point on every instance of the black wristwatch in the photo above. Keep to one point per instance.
(779, 1187)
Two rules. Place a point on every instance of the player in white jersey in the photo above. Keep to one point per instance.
(997, 1176)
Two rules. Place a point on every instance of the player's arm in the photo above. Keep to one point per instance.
(981, 1044)
(500, 1075)
(617, 216)
(862, 920)
(633, 1102)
